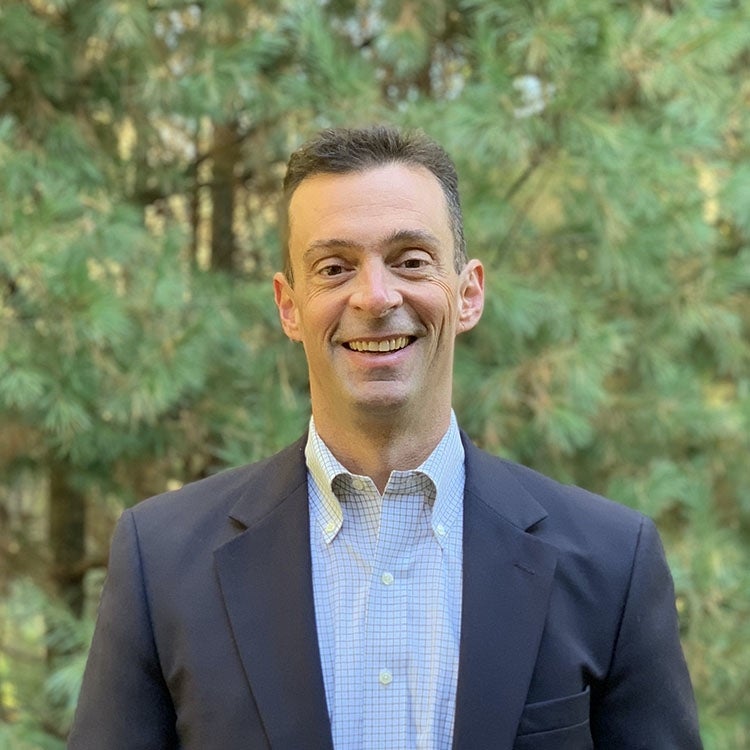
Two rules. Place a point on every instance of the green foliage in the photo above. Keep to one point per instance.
(603, 154)
(712, 579)
(40, 693)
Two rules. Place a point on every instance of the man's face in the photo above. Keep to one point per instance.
(376, 300)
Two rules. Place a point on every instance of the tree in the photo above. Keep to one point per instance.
(603, 153)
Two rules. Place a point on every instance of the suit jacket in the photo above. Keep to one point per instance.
(206, 636)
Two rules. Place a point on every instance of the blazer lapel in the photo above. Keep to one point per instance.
(266, 581)
(507, 582)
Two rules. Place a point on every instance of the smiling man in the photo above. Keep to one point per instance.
(382, 583)
(377, 299)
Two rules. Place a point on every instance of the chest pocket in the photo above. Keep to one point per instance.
(560, 724)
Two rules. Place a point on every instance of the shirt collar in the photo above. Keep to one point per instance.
(444, 467)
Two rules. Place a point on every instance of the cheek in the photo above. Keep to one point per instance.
(316, 304)
(321, 314)
(443, 304)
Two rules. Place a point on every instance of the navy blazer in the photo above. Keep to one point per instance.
(206, 636)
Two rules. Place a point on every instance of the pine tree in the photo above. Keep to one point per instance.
(603, 152)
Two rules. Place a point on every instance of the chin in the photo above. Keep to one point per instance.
(386, 402)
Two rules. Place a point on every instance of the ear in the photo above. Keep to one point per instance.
(283, 294)
(471, 300)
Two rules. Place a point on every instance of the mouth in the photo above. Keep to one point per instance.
(380, 346)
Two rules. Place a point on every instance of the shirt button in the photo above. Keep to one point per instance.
(440, 529)
(358, 484)
(385, 677)
(387, 578)
(330, 527)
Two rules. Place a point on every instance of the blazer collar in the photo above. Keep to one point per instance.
(274, 480)
(490, 480)
(269, 483)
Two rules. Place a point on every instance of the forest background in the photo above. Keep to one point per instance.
(603, 148)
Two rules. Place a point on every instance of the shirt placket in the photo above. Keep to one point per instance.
(386, 706)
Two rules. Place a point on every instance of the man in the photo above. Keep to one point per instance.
(383, 583)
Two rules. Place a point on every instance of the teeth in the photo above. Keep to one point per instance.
(388, 345)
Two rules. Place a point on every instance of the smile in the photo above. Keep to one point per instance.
(384, 345)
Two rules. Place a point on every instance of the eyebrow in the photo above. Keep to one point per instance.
(398, 237)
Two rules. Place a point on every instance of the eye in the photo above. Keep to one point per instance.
(332, 269)
(413, 260)
(414, 263)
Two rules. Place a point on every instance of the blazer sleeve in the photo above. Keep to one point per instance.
(647, 699)
(124, 702)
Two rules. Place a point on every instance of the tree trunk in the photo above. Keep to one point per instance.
(67, 537)
(226, 155)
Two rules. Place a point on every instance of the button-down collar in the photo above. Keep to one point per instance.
(440, 478)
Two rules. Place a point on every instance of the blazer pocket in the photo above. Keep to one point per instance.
(559, 724)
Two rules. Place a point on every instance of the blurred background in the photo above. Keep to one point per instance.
(603, 148)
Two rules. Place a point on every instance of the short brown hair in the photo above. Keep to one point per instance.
(345, 150)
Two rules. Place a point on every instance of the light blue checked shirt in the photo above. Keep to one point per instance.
(387, 588)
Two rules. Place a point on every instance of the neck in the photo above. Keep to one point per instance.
(375, 448)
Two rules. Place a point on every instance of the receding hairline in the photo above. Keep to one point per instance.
(341, 151)
(363, 169)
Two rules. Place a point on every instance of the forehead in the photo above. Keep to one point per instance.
(365, 207)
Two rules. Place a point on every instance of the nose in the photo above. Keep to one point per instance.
(375, 289)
